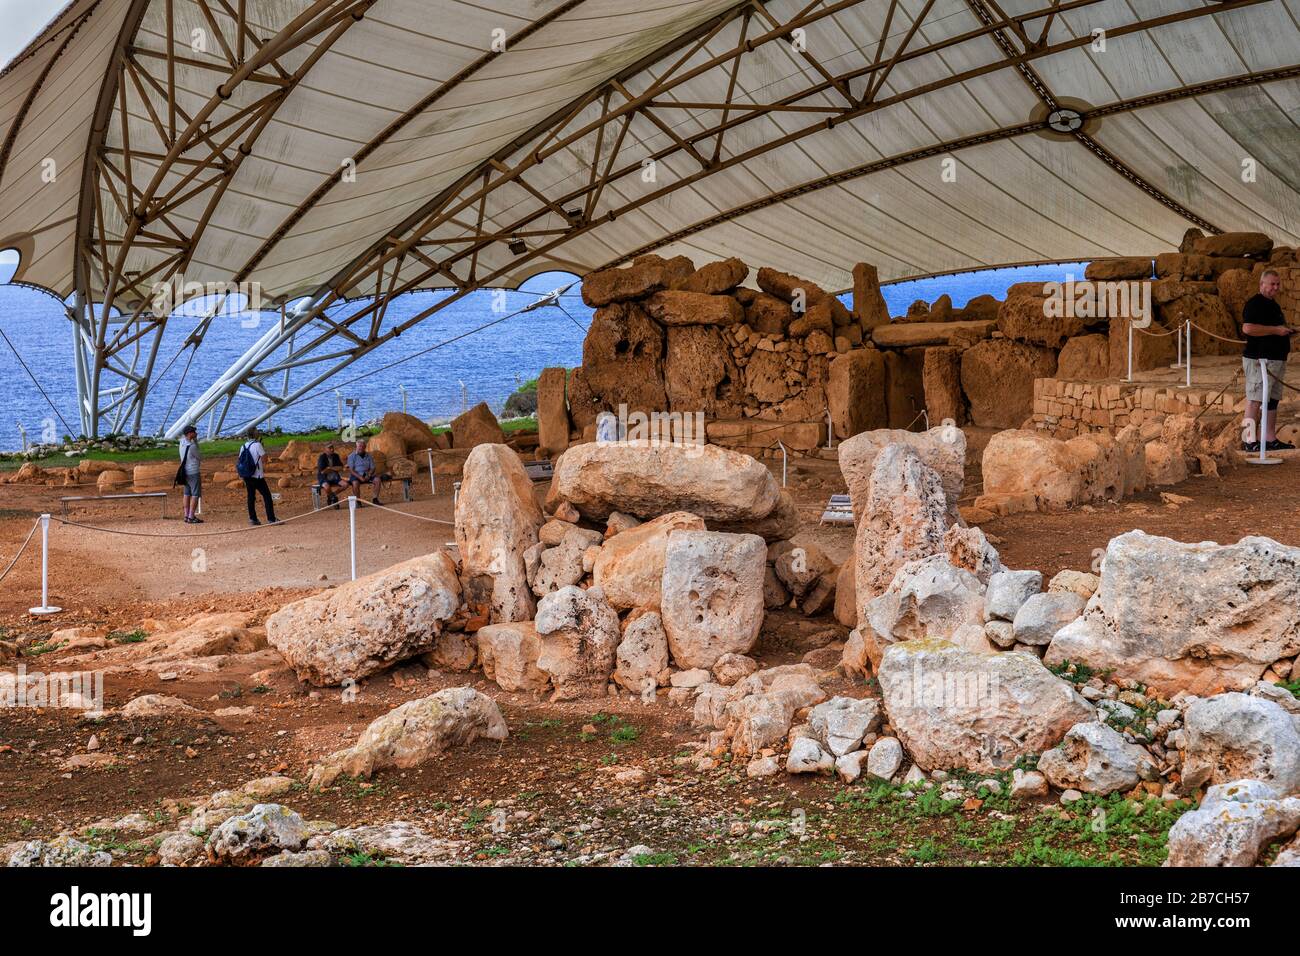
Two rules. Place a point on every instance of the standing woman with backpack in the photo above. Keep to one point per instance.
(249, 467)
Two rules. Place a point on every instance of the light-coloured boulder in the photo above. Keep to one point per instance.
(848, 767)
(1042, 615)
(841, 722)
(1233, 825)
(1028, 783)
(508, 653)
(757, 711)
(902, 519)
(801, 566)
(846, 595)
(956, 708)
(497, 520)
(158, 705)
(366, 625)
(1082, 583)
(926, 599)
(1194, 617)
(1009, 590)
(807, 756)
(942, 449)
(885, 758)
(970, 549)
(712, 594)
(647, 479)
(730, 668)
(630, 568)
(1233, 736)
(641, 660)
(266, 828)
(580, 637)
(415, 732)
(1095, 758)
(562, 565)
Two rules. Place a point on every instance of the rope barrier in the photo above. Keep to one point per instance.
(1226, 385)
(405, 514)
(1213, 336)
(1154, 335)
(1282, 383)
(184, 534)
(23, 547)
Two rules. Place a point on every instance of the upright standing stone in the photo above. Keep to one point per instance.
(552, 412)
(497, 520)
(941, 377)
(855, 391)
(712, 602)
(868, 302)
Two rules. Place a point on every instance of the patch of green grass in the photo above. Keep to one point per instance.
(37, 648)
(927, 852)
(624, 734)
(655, 859)
(366, 858)
(129, 637)
(1073, 672)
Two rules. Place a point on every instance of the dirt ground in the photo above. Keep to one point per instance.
(554, 777)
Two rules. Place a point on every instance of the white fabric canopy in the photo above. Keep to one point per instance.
(347, 149)
(1023, 198)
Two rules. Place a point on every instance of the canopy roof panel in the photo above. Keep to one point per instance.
(347, 148)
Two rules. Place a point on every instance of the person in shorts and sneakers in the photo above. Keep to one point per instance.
(1267, 337)
(190, 462)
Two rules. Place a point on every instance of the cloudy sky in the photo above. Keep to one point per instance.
(23, 19)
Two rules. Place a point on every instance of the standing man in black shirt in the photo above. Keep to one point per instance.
(1267, 337)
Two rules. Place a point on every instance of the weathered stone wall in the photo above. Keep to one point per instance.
(769, 363)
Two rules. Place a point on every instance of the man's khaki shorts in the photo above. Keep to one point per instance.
(1278, 369)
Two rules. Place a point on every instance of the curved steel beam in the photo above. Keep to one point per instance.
(408, 260)
(186, 162)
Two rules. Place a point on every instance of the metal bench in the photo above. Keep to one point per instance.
(839, 510)
(131, 494)
(542, 470)
(315, 492)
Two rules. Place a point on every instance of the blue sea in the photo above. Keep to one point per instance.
(486, 365)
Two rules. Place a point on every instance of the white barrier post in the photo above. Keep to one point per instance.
(784, 460)
(1263, 459)
(1130, 351)
(1187, 354)
(455, 494)
(352, 532)
(433, 482)
(45, 607)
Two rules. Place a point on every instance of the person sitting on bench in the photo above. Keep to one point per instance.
(329, 474)
(361, 470)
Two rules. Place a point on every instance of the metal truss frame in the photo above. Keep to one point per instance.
(443, 242)
(133, 185)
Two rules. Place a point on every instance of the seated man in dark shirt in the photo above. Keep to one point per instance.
(1269, 338)
(329, 474)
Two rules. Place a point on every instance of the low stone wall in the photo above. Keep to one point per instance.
(1065, 409)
